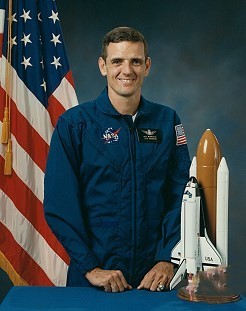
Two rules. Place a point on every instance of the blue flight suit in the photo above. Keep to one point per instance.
(113, 187)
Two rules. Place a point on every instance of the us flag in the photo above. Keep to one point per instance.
(36, 86)
(180, 135)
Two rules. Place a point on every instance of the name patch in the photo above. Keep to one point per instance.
(148, 135)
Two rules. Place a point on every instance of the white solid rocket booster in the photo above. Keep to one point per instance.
(222, 211)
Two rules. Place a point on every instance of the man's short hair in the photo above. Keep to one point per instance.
(121, 34)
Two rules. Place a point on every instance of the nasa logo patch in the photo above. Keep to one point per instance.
(110, 136)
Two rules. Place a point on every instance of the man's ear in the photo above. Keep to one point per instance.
(102, 66)
(148, 65)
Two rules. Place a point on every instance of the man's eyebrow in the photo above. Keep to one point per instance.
(130, 59)
(116, 58)
(137, 58)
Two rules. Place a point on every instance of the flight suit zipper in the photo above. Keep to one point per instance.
(134, 203)
(132, 146)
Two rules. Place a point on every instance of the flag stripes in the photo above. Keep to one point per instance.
(34, 112)
(34, 182)
(38, 250)
(16, 255)
(29, 252)
(55, 109)
(28, 138)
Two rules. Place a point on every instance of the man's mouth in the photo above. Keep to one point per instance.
(126, 80)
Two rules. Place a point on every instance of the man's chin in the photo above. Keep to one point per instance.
(127, 92)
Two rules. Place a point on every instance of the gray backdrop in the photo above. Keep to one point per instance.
(198, 55)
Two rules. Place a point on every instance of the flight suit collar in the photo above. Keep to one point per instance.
(105, 106)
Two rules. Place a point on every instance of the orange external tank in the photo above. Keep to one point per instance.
(208, 159)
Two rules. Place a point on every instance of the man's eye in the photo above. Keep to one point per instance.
(116, 61)
(137, 62)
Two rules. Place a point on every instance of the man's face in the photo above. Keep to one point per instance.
(125, 68)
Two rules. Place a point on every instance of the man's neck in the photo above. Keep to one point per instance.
(125, 105)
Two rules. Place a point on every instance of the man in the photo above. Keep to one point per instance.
(115, 177)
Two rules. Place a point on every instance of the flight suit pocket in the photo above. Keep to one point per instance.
(105, 238)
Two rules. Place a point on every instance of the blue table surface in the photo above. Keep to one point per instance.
(81, 298)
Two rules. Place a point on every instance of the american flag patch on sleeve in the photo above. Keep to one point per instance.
(180, 135)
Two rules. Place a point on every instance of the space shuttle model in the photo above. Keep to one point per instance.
(204, 213)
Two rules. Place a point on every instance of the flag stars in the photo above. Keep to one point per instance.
(55, 39)
(13, 41)
(54, 16)
(26, 62)
(26, 39)
(56, 62)
(42, 63)
(25, 15)
(39, 17)
(12, 18)
(44, 85)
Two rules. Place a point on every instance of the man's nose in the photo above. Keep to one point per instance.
(126, 67)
